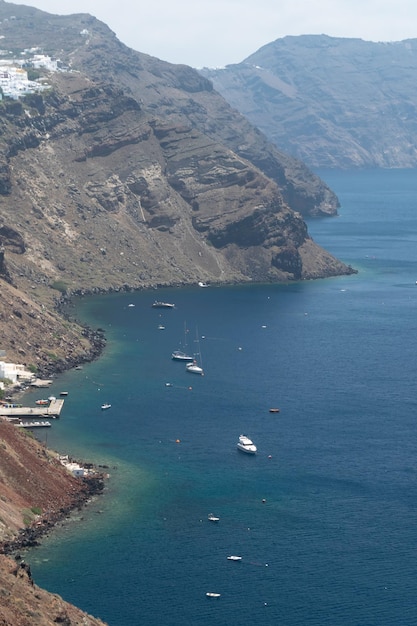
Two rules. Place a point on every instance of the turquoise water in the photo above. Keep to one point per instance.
(324, 515)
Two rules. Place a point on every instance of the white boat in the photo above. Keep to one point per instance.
(161, 327)
(246, 445)
(179, 355)
(105, 406)
(163, 305)
(234, 558)
(213, 518)
(211, 594)
(202, 284)
(194, 367)
(182, 355)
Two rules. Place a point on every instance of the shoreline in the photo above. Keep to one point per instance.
(30, 536)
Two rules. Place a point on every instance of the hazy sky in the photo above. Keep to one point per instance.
(217, 32)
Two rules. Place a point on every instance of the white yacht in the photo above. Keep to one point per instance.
(179, 355)
(182, 355)
(246, 445)
(194, 368)
(213, 518)
(233, 557)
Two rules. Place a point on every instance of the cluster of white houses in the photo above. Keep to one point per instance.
(14, 82)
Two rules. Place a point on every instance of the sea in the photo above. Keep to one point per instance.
(324, 516)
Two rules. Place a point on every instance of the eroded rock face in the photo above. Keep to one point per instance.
(131, 172)
(36, 492)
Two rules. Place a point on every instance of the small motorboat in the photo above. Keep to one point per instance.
(211, 594)
(42, 402)
(212, 518)
(234, 558)
(274, 410)
(105, 406)
(246, 445)
(161, 327)
(63, 393)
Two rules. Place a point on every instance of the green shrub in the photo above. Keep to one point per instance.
(60, 286)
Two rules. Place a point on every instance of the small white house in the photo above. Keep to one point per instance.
(15, 372)
(75, 469)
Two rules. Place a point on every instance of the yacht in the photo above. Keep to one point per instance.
(234, 558)
(246, 445)
(163, 305)
(194, 368)
(179, 355)
(213, 518)
(105, 406)
(182, 355)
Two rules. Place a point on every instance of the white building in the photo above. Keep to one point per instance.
(15, 372)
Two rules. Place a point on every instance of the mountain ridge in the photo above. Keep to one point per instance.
(332, 102)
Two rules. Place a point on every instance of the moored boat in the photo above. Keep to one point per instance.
(246, 445)
(179, 355)
(194, 368)
(163, 305)
(182, 355)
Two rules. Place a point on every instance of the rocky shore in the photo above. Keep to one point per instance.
(37, 493)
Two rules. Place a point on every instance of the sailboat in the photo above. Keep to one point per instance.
(181, 355)
(194, 367)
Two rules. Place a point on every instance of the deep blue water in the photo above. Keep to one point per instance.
(325, 515)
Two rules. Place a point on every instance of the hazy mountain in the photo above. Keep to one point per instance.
(328, 101)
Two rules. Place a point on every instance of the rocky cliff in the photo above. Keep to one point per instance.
(36, 492)
(129, 172)
(331, 102)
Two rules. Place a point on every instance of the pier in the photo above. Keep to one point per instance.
(52, 410)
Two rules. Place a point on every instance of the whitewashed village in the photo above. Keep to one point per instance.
(17, 75)
(14, 81)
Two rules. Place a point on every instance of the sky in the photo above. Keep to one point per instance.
(215, 33)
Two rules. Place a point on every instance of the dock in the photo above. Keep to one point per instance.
(52, 410)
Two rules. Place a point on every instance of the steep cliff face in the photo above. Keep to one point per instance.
(328, 101)
(130, 172)
(35, 490)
